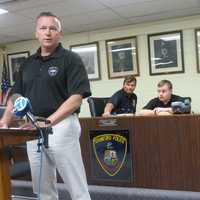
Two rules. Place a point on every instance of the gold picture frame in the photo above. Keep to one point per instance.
(14, 61)
(122, 57)
(89, 53)
(166, 53)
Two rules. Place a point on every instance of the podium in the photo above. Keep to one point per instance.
(163, 151)
(12, 136)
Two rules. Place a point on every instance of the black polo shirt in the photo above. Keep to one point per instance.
(123, 102)
(154, 103)
(49, 81)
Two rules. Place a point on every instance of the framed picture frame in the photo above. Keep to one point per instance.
(197, 43)
(89, 54)
(14, 61)
(122, 57)
(166, 53)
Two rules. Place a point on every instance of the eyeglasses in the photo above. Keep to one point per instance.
(50, 28)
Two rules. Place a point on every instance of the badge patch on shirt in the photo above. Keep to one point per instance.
(53, 71)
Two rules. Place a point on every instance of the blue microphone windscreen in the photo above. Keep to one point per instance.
(21, 106)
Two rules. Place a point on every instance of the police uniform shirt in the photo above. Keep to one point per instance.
(123, 102)
(154, 103)
(48, 81)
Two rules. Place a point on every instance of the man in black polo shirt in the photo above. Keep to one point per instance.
(124, 100)
(161, 105)
(55, 81)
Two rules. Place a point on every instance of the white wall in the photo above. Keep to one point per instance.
(185, 84)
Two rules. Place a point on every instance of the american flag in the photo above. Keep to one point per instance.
(5, 84)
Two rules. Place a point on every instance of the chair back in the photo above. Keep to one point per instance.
(187, 99)
(97, 105)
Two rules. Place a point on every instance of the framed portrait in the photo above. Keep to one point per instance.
(166, 53)
(122, 57)
(89, 54)
(197, 40)
(14, 61)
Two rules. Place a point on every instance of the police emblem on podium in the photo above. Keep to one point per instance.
(111, 156)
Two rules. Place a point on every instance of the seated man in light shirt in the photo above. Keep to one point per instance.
(124, 100)
(161, 105)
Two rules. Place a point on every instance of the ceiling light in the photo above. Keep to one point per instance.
(3, 11)
(5, 1)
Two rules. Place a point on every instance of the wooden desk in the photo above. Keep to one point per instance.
(165, 150)
(10, 137)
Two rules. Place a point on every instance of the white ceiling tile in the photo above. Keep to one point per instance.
(21, 5)
(10, 19)
(88, 15)
(100, 25)
(8, 38)
(76, 29)
(17, 30)
(77, 7)
(27, 36)
(117, 3)
(64, 8)
(107, 24)
(157, 6)
(164, 15)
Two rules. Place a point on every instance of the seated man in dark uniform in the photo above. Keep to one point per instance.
(124, 100)
(162, 105)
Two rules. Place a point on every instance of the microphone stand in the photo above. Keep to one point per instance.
(43, 131)
(43, 134)
(22, 107)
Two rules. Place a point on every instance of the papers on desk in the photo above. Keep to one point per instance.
(14, 128)
(125, 114)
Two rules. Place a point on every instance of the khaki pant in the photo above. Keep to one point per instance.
(63, 154)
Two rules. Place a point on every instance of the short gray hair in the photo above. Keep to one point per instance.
(50, 14)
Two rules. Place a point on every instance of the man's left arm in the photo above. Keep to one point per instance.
(78, 87)
(66, 108)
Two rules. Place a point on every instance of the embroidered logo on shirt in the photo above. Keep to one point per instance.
(53, 71)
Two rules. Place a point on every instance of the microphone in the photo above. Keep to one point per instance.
(22, 107)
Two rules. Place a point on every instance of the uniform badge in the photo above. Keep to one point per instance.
(53, 71)
(110, 151)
